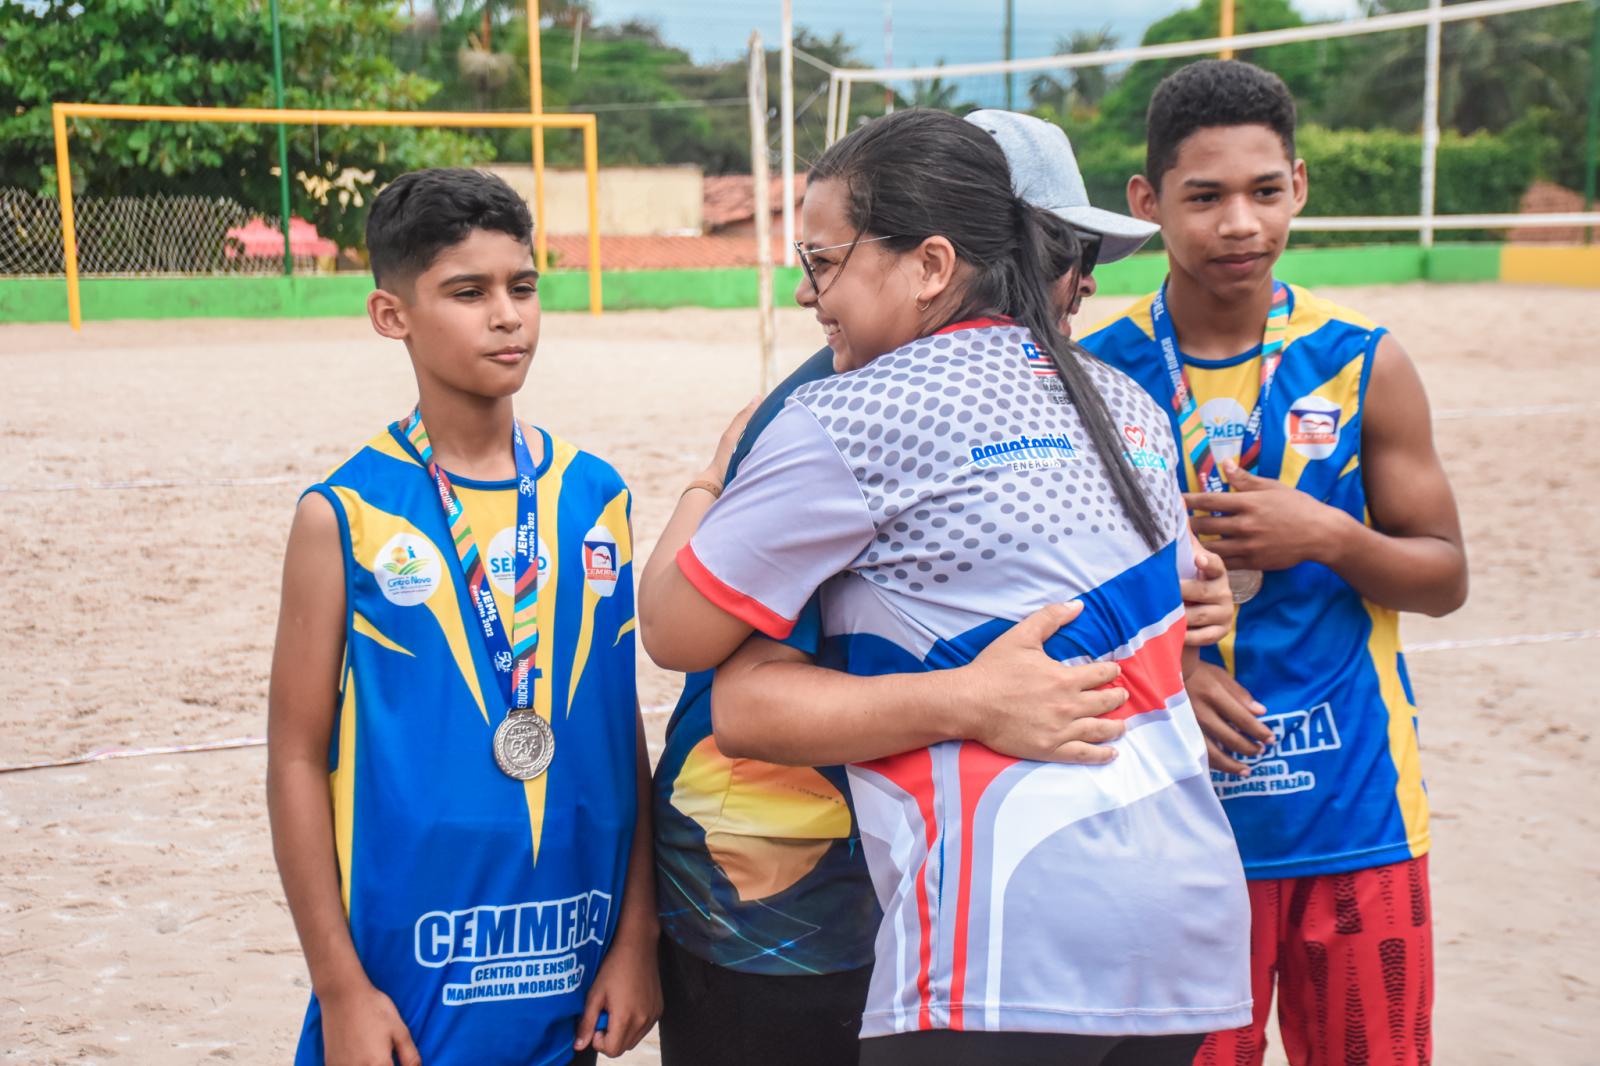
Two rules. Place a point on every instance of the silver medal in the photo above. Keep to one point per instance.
(1244, 584)
(524, 745)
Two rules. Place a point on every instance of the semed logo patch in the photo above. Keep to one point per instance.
(1312, 426)
(600, 561)
(1225, 421)
(502, 561)
(406, 569)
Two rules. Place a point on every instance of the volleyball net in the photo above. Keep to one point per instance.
(1435, 119)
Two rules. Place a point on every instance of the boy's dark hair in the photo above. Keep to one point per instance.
(421, 213)
(920, 173)
(1213, 92)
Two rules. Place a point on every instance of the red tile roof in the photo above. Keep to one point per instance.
(730, 198)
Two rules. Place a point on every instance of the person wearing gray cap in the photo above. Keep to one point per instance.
(1044, 172)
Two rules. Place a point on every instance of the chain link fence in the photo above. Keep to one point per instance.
(142, 236)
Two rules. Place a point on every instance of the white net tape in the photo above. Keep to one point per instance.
(144, 235)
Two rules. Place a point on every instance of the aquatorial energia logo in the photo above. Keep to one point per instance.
(1312, 426)
(1139, 452)
(1023, 453)
(406, 569)
(600, 561)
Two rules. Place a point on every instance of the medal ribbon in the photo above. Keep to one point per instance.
(1194, 438)
(513, 659)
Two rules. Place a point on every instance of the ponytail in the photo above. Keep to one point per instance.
(1033, 307)
(920, 172)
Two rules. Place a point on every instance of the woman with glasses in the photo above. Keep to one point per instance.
(967, 469)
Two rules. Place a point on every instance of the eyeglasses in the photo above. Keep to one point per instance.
(1088, 250)
(809, 267)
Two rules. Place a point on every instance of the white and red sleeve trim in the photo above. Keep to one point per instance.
(746, 608)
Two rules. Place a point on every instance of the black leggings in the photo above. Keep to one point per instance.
(715, 1016)
(949, 1047)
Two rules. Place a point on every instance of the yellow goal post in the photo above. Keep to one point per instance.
(61, 112)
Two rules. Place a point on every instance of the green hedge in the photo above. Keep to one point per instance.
(1362, 172)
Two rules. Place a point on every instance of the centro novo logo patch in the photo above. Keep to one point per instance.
(407, 569)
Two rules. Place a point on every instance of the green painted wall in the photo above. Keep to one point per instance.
(324, 296)
(627, 290)
(320, 296)
(1463, 262)
(1377, 264)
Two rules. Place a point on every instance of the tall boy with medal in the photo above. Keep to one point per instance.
(1310, 469)
(455, 759)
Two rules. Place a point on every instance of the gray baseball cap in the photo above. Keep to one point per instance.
(1045, 173)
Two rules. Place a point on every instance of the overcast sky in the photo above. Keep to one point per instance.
(925, 31)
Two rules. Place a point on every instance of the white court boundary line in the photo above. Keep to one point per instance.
(658, 710)
(107, 754)
(1448, 414)
(1455, 414)
(157, 483)
(1503, 642)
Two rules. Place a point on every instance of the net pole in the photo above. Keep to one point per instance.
(1008, 50)
(833, 108)
(759, 176)
(541, 242)
(786, 118)
(888, 54)
(69, 227)
(283, 140)
(591, 171)
(1591, 153)
(1430, 123)
(844, 109)
(1225, 28)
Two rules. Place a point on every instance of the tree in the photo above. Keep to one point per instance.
(1492, 72)
(935, 92)
(1301, 66)
(213, 53)
(1079, 89)
(656, 105)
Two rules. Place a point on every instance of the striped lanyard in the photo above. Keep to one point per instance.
(513, 658)
(1196, 439)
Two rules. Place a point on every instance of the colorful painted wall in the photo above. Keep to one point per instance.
(324, 295)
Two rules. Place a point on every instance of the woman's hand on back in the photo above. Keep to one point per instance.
(1028, 705)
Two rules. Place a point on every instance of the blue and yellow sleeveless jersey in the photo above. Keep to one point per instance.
(759, 867)
(1341, 788)
(480, 904)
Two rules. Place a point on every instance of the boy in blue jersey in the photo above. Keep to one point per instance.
(456, 768)
(1309, 464)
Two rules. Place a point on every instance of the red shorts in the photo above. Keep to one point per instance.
(1353, 957)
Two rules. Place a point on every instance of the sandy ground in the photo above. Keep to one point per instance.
(140, 914)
